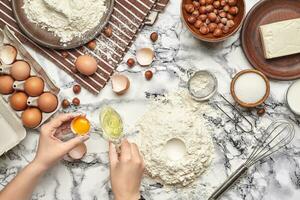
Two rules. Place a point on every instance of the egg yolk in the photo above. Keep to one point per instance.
(80, 126)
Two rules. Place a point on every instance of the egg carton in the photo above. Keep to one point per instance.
(7, 38)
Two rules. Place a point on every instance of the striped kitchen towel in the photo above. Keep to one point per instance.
(127, 19)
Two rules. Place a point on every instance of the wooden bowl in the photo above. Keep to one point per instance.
(250, 105)
(209, 37)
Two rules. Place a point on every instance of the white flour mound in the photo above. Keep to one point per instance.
(176, 116)
(65, 18)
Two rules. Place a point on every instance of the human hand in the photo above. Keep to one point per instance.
(51, 149)
(126, 171)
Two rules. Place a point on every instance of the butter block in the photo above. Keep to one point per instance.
(281, 38)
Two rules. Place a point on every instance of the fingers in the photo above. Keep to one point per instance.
(125, 151)
(113, 155)
(135, 152)
(60, 119)
(71, 144)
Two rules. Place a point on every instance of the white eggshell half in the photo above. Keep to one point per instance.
(78, 152)
(145, 56)
(120, 83)
(8, 54)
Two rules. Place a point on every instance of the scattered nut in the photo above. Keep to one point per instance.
(196, 4)
(204, 30)
(196, 13)
(76, 101)
(130, 62)
(65, 103)
(233, 10)
(76, 89)
(224, 21)
(74, 70)
(212, 17)
(261, 111)
(198, 24)
(92, 45)
(202, 17)
(202, 10)
(64, 54)
(230, 23)
(108, 31)
(154, 37)
(148, 74)
(191, 19)
(212, 27)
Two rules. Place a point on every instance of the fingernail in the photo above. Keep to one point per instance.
(84, 138)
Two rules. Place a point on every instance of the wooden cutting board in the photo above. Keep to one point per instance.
(265, 12)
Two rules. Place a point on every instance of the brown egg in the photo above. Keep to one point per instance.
(20, 70)
(18, 101)
(34, 86)
(31, 117)
(47, 102)
(6, 84)
(86, 65)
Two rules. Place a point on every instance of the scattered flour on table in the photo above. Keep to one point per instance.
(176, 116)
(65, 18)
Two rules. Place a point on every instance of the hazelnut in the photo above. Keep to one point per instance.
(108, 31)
(154, 37)
(76, 89)
(202, 17)
(65, 103)
(261, 111)
(207, 21)
(226, 8)
(212, 17)
(223, 2)
(233, 10)
(196, 4)
(230, 23)
(202, 10)
(191, 19)
(202, 2)
(64, 54)
(212, 27)
(196, 13)
(217, 33)
(217, 4)
(148, 75)
(222, 14)
(232, 2)
(218, 20)
(74, 70)
(204, 30)
(130, 62)
(208, 2)
(76, 101)
(229, 16)
(225, 29)
(189, 8)
(198, 24)
(220, 25)
(92, 45)
(224, 21)
(209, 8)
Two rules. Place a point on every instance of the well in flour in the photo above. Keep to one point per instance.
(66, 19)
(175, 140)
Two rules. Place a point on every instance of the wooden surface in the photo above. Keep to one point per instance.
(209, 37)
(265, 12)
(48, 39)
(249, 105)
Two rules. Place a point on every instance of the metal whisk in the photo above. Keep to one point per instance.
(277, 136)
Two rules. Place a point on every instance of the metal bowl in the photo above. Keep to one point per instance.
(48, 39)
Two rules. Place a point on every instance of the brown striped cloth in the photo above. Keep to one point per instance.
(126, 21)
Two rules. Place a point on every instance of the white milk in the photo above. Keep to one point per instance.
(250, 88)
(293, 97)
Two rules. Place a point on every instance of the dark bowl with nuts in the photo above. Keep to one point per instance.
(213, 20)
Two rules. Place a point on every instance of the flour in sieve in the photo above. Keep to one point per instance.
(66, 19)
(176, 116)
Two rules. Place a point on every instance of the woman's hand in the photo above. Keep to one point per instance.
(51, 149)
(126, 171)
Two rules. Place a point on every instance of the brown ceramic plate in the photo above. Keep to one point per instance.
(265, 12)
(48, 39)
(209, 37)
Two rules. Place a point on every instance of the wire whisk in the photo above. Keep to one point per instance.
(276, 136)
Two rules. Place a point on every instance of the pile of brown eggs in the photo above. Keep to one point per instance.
(24, 89)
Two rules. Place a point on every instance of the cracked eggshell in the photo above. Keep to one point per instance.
(145, 56)
(120, 83)
(78, 152)
(8, 54)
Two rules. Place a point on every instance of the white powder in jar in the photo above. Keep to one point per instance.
(65, 18)
(175, 140)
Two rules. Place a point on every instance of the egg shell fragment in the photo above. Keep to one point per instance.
(120, 83)
(145, 56)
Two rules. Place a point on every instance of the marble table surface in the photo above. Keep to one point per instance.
(276, 178)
